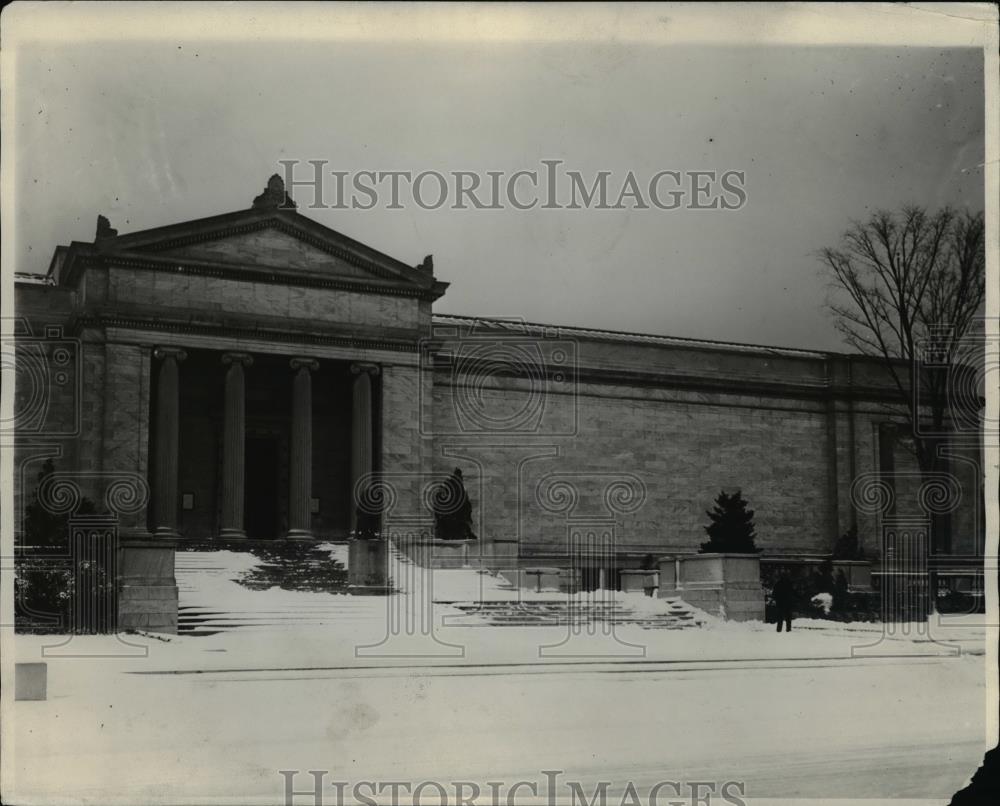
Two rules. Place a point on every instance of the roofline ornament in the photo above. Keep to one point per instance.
(104, 229)
(274, 196)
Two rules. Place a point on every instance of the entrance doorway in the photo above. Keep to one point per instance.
(260, 516)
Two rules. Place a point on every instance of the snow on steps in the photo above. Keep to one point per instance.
(211, 601)
(676, 615)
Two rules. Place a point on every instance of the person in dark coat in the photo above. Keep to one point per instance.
(784, 597)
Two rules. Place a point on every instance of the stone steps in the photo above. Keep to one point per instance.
(203, 621)
(206, 607)
(551, 613)
(194, 620)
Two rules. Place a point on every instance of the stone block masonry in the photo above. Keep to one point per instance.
(687, 422)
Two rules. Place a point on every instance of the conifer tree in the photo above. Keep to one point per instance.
(732, 528)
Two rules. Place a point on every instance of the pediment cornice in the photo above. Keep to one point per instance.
(353, 265)
(260, 273)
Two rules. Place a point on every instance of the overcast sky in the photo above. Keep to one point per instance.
(157, 132)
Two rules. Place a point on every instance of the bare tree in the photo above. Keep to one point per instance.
(908, 287)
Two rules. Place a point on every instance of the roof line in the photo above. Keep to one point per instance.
(631, 334)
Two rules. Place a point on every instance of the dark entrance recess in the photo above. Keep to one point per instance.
(261, 508)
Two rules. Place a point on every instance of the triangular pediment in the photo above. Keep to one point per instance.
(267, 247)
(281, 242)
(270, 241)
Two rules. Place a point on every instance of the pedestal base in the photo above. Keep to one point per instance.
(724, 585)
(367, 565)
(147, 588)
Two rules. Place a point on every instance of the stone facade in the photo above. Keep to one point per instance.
(562, 434)
(675, 421)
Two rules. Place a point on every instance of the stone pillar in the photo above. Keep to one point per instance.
(167, 437)
(234, 446)
(300, 461)
(361, 431)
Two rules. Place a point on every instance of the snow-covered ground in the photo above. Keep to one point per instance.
(830, 710)
(335, 627)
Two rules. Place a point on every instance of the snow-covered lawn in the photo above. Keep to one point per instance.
(910, 727)
(829, 710)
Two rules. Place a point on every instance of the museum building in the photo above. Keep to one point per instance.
(256, 376)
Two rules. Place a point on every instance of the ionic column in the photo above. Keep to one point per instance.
(167, 439)
(361, 431)
(300, 462)
(234, 445)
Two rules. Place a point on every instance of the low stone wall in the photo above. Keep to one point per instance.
(639, 581)
(428, 552)
(857, 572)
(502, 552)
(725, 585)
(544, 579)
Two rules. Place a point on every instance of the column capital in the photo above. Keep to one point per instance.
(237, 358)
(299, 362)
(177, 353)
(359, 367)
